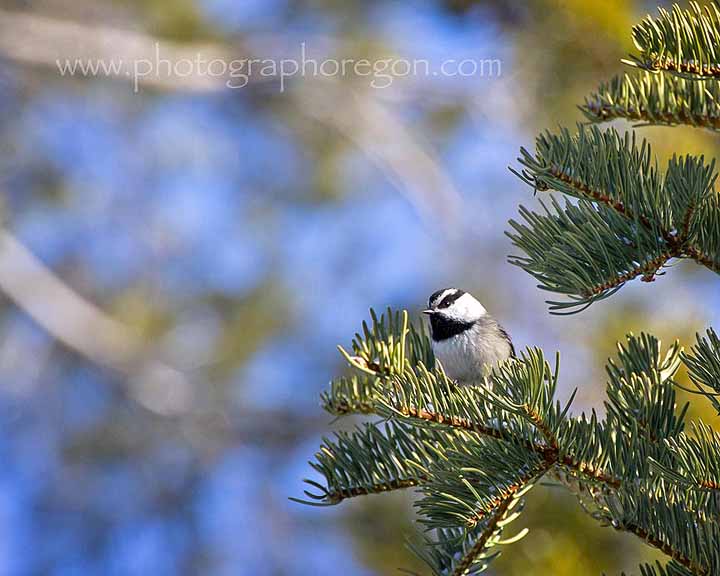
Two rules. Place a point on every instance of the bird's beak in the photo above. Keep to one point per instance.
(428, 311)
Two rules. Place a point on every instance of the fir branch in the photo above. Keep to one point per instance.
(630, 220)
(648, 270)
(516, 386)
(590, 453)
(337, 496)
(689, 191)
(669, 525)
(480, 501)
(543, 432)
(600, 166)
(488, 532)
(686, 221)
(702, 258)
(470, 450)
(582, 190)
(619, 171)
(550, 453)
(681, 42)
(671, 569)
(451, 421)
(459, 493)
(656, 99)
(353, 395)
(370, 460)
(384, 349)
(461, 552)
(641, 394)
(703, 363)
(584, 252)
(696, 460)
(704, 232)
(597, 453)
(587, 472)
(537, 419)
(665, 548)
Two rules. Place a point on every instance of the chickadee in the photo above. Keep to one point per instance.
(465, 338)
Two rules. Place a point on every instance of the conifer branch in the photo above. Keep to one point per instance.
(703, 364)
(669, 522)
(474, 452)
(460, 552)
(630, 221)
(665, 548)
(351, 395)
(641, 394)
(488, 531)
(335, 497)
(681, 42)
(671, 569)
(471, 450)
(648, 270)
(702, 258)
(587, 472)
(656, 99)
(696, 460)
(369, 460)
(551, 454)
(453, 422)
(581, 190)
(584, 252)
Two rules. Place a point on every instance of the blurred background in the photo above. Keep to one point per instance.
(181, 250)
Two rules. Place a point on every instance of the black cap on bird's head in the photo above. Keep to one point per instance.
(443, 298)
(455, 304)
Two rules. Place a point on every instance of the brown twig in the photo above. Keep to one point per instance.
(608, 112)
(701, 258)
(509, 493)
(462, 423)
(664, 547)
(480, 543)
(550, 454)
(647, 271)
(676, 242)
(589, 472)
(599, 196)
(540, 425)
(709, 485)
(490, 529)
(687, 218)
(337, 496)
(667, 64)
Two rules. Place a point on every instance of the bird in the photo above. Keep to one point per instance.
(466, 340)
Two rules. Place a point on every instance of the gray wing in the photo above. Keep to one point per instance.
(509, 340)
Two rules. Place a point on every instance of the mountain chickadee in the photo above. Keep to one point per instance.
(465, 338)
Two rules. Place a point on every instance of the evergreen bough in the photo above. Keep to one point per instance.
(473, 453)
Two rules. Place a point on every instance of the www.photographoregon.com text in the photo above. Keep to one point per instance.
(238, 73)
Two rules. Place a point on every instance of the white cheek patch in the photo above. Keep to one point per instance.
(465, 309)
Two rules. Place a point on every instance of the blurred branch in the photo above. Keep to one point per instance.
(86, 329)
(61, 311)
(37, 40)
(42, 41)
(383, 138)
(363, 119)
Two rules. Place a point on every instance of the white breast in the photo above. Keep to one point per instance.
(469, 356)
